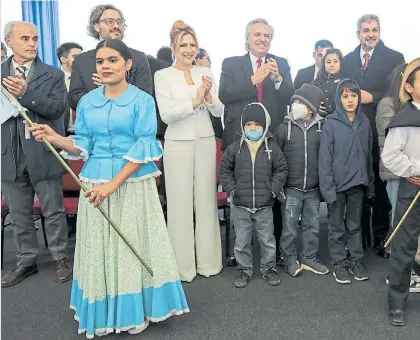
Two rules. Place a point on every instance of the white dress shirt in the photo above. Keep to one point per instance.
(254, 63)
(27, 66)
(362, 55)
(316, 71)
(174, 98)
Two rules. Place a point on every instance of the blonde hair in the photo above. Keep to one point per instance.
(180, 29)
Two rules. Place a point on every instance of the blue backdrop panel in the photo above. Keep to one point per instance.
(44, 14)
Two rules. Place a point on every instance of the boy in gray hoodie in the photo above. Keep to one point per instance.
(253, 171)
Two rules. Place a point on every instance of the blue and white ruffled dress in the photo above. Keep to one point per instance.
(111, 290)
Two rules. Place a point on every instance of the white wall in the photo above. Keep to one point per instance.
(220, 25)
(11, 10)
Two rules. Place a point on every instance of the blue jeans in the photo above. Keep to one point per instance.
(245, 222)
(305, 204)
(392, 190)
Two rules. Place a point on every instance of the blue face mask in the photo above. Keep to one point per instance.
(254, 135)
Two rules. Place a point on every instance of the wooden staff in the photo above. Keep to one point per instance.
(76, 178)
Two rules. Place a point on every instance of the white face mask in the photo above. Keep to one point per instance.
(299, 111)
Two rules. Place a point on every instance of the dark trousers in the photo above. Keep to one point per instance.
(381, 207)
(348, 206)
(278, 224)
(19, 196)
(404, 245)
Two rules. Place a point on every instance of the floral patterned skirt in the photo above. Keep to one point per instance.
(111, 290)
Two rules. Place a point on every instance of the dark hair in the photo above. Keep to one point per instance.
(348, 84)
(322, 72)
(117, 45)
(323, 44)
(412, 77)
(201, 53)
(394, 81)
(3, 47)
(64, 49)
(165, 54)
(95, 16)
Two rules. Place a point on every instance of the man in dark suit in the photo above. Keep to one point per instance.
(255, 77)
(106, 21)
(370, 65)
(28, 167)
(308, 74)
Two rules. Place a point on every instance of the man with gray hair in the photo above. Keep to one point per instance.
(105, 22)
(257, 76)
(370, 65)
(28, 167)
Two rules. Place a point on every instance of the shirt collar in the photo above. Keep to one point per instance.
(67, 74)
(98, 99)
(416, 105)
(363, 52)
(254, 58)
(27, 65)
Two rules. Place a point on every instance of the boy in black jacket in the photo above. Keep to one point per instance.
(345, 178)
(253, 171)
(299, 137)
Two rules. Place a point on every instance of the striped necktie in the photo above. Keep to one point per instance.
(22, 71)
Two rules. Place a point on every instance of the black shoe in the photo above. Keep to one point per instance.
(232, 261)
(359, 272)
(17, 275)
(280, 260)
(341, 274)
(396, 317)
(380, 250)
(242, 280)
(272, 277)
(62, 271)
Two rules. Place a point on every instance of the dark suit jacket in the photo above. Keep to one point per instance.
(374, 79)
(85, 64)
(46, 101)
(304, 76)
(156, 65)
(236, 91)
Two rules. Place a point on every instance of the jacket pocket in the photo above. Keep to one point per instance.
(3, 149)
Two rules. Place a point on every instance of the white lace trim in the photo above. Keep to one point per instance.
(129, 180)
(144, 161)
(84, 155)
(135, 328)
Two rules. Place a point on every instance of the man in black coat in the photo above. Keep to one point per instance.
(308, 74)
(370, 65)
(29, 167)
(255, 77)
(106, 22)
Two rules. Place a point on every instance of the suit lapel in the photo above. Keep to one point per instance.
(5, 68)
(247, 66)
(38, 69)
(373, 62)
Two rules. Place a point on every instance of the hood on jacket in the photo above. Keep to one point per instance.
(409, 116)
(289, 120)
(267, 125)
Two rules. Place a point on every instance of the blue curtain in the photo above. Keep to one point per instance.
(44, 14)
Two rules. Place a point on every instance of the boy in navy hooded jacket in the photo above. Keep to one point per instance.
(345, 177)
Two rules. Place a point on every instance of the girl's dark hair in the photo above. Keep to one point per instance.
(350, 85)
(412, 76)
(117, 45)
(322, 72)
(394, 81)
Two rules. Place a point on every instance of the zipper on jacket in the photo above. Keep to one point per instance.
(253, 180)
(306, 156)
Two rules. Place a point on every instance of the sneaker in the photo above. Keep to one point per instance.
(415, 276)
(359, 272)
(315, 266)
(280, 260)
(414, 282)
(272, 277)
(341, 274)
(242, 280)
(292, 266)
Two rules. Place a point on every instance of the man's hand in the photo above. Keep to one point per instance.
(274, 69)
(367, 98)
(260, 74)
(16, 85)
(96, 80)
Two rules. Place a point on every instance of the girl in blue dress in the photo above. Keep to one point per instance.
(115, 134)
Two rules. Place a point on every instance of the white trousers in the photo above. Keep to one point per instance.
(190, 177)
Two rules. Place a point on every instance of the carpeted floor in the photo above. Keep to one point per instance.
(308, 307)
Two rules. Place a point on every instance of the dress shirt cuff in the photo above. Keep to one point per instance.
(277, 82)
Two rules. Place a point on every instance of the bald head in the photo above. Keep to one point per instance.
(22, 39)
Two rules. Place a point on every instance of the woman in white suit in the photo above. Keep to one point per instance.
(186, 97)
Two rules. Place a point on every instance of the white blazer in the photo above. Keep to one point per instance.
(174, 98)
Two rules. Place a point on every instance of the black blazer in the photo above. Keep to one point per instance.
(374, 79)
(85, 64)
(305, 76)
(237, 91)
(45, 98)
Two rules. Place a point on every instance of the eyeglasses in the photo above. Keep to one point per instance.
(110, 21)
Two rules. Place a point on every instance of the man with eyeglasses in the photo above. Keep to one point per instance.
(105, 22)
